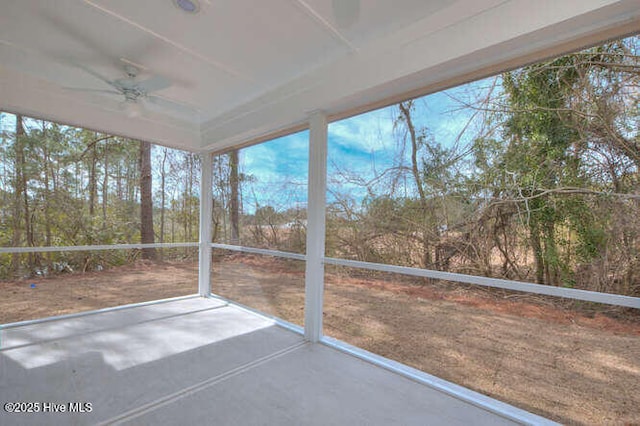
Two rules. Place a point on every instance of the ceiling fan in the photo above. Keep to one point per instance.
(131, 89)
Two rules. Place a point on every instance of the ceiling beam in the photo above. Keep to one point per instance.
(324, 23)
(428, 54)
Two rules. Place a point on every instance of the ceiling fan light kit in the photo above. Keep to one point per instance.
(131, 108)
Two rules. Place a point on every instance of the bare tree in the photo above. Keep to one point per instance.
(146, 201)
(234, 202)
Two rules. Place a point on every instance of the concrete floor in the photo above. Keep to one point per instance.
(200, 361)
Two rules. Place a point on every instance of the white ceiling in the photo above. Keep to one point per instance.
(244, 69)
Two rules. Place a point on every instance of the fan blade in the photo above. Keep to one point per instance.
(124, 83)
(107, 92)
(153, 84)
(93, 73)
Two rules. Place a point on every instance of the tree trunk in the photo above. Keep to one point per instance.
(173, 228)
(536, 245)
(92, 180)
(146, 201)
(163, 175)
(188, 192)
(119, 191)
(552, 270)
(48, 173)
(18, 191)
(405, 110)
(47, 190)
(21, 165)
(105, 186)
(234, 208)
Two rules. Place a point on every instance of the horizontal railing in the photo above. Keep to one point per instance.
(567, 293)
(266, 252)
(93, 247)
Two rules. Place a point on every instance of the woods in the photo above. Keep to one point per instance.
(539, 183)
(63, 186)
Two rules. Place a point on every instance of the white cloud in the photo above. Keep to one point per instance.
(279, 172)
(367, 132)
(362, 147)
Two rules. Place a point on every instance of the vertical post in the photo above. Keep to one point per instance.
(316, 205)
(206, 206)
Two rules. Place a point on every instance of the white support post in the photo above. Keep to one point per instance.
(316, 205)
(206, 206)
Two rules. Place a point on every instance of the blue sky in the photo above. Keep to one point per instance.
(279, 170)
(362, 146)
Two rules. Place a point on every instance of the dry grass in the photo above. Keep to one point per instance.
(69, 293)
(573, 367)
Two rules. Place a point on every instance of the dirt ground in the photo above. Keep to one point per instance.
(78, 292)
(573, 367)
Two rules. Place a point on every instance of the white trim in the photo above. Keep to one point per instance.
(274, 253)
(277, 320)
(97, 311)
(93, 248)
(325, 24)
(206, 209)
(316, 207)
(459, 392)
(395, 66)
(568, 293)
